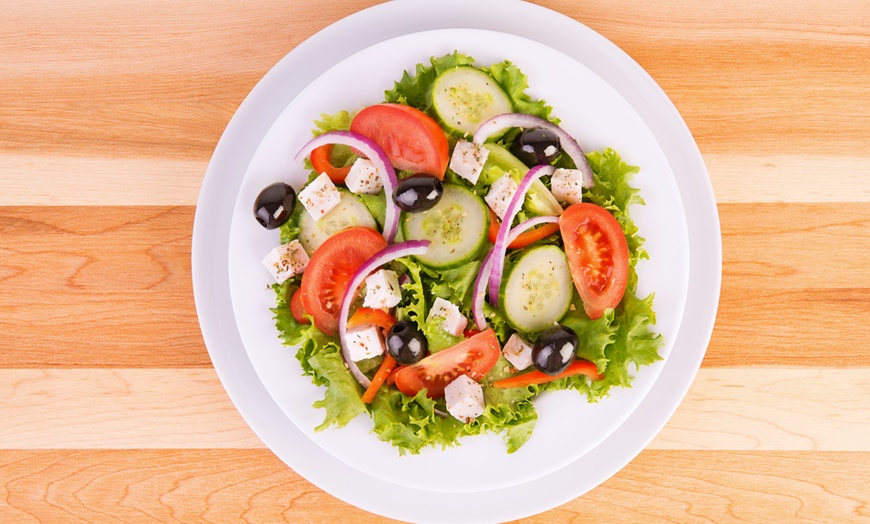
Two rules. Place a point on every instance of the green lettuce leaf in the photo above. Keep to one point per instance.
(410, 423)
(320, 357)
(515, 83)
(341, 402)
(509, 411)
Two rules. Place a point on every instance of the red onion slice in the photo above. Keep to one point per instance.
(569, 145)
(384, 256)
(522, 227)
(501, 240)
(480, 290)
(374, 153)
(486, 268)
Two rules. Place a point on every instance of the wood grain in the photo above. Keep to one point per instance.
(110, 410)
(760, 408)
(97, 287)
(254, 486)
(88, 286)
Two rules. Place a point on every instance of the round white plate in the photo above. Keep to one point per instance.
(591, 110)
(258, 145)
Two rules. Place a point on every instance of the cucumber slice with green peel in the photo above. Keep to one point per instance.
(350, 212)
(457, 226)
(538, 288)
(464, 97)
(539, 199)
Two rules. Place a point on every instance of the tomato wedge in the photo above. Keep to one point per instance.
(597, 256)
(525, 238)
(367, 315)
(297, 309)
(320, 161)
(474, 357)
(329, 271)
(578, 367)
(411, 139)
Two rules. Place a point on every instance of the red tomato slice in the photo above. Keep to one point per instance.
(597, 256)
(411, 139)
(297, 309)
(474, 357)
(328, 273)
(320, 161)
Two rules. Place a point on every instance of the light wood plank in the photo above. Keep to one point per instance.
(254, 486)
(773, 408)
(119, 292)
(799, 409)
(30, 179)
(793, 178)
(119, 408)
(34, 180)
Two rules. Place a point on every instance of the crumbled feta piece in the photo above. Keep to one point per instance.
(320, 196)
(500, 194)
(286, 260)
(364, 342)
(382, 289)
(364, 177)
(452, 320)
(464, 398)
(567, 185)
(518, 352)
(468, 160)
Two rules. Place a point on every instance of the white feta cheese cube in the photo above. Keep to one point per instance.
(464, 398)
(500, 194)
(382, 289)
(452, 320)
(320, 196)
(364, 342)
(286, 260)
(518, 352)
(364, 177)
(567, 186)
(468, 160)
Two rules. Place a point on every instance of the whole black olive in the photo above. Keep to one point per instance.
(406, 343)
(536, 146)
(418, 192)
(554, 350)
(274, 205)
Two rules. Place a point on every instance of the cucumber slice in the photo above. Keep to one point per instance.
(539, 199)
(350, 212)
(457, 227)
(464, 97)
(538, 288)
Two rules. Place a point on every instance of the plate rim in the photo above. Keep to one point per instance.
(208, 281)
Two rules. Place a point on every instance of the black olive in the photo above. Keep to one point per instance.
(418, 193)
(406, 343)
(274, 205)
(554, 350)
(536, 146)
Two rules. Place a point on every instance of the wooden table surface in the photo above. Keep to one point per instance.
(110, 409)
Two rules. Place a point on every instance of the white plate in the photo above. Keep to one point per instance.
(568, 426)
(248, 150)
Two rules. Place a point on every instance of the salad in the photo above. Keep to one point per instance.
(453, 255)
